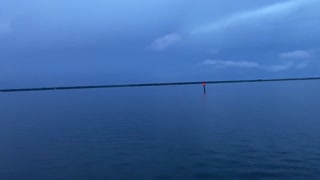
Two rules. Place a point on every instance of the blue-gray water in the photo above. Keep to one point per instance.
(258, 130)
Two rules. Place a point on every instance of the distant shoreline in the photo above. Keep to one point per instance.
(156, 84)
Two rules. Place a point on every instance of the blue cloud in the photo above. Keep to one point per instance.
(297, 54)
(164, 42)
(267, 13)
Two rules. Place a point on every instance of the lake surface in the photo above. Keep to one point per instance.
(235, 131)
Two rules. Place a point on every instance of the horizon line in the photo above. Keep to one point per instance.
(156, 84)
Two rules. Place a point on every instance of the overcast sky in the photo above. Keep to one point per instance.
(76, 42)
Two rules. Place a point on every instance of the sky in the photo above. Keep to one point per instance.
(87, 42)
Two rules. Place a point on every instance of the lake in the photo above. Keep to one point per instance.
(234, 131)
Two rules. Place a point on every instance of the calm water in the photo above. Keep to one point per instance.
(235, 131)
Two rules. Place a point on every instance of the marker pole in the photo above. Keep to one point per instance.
(204, 87)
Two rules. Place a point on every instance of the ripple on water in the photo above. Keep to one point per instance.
(206, 175)
(201, 164)
(161, 177)
(292, 161)
(259, 174)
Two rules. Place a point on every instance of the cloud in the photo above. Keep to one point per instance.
(281, 67)
(254, 65)
(298, 54)
(273, 12)
(164, 42)
(227, 64)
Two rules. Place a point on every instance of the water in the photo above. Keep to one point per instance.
(235, 131)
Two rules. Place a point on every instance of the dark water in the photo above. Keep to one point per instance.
(235, 131)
